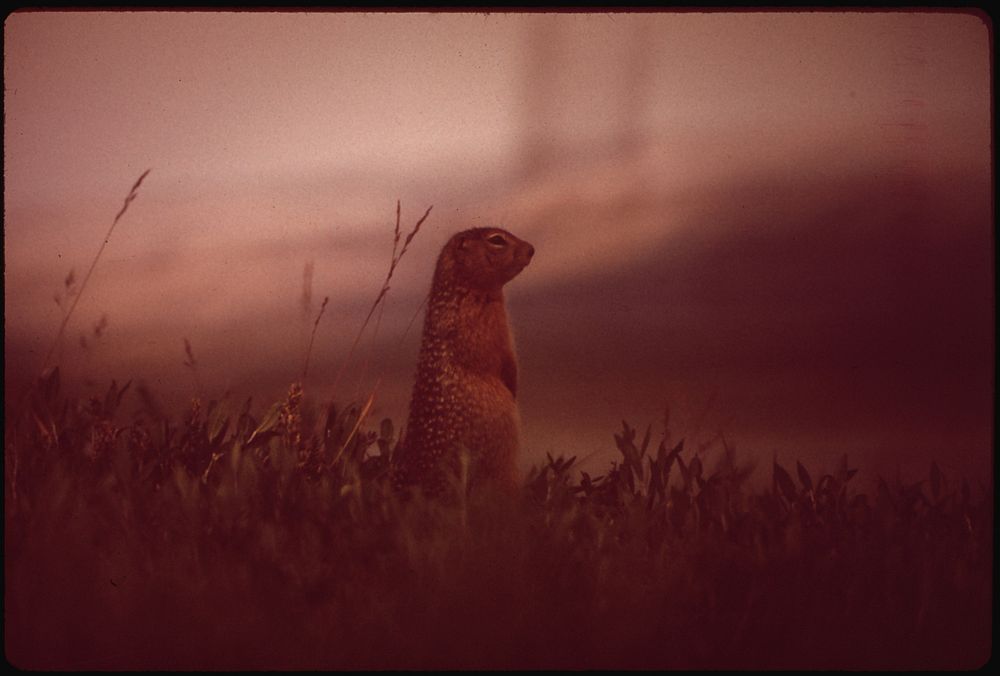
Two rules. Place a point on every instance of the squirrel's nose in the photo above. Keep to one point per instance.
(530, 251)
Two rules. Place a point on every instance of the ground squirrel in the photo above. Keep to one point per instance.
(466, 382)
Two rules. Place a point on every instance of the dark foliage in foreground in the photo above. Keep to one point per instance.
(228, 541)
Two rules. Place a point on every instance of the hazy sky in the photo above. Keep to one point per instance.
(809, 198)
(93, 97)
(224, 96)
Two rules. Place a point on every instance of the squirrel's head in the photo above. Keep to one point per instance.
(485, 258)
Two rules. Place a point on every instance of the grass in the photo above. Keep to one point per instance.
(227, 540)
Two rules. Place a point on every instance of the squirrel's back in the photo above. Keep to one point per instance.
(466, 383)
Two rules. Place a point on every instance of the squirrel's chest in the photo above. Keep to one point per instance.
(487, 343)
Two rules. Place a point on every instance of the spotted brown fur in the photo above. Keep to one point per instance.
(464, 396)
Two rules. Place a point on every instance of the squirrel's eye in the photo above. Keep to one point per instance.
(496, 240)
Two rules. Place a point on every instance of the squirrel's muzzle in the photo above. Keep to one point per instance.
(524, 253)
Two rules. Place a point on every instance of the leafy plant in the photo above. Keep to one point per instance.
(235, 539)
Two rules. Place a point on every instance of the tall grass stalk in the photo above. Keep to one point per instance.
(192, 364)
(132, 194)
(381, 311)
(312, 337)
(385, 285)
(362, 416)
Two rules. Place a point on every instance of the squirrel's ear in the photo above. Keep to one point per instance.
(462, 240)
